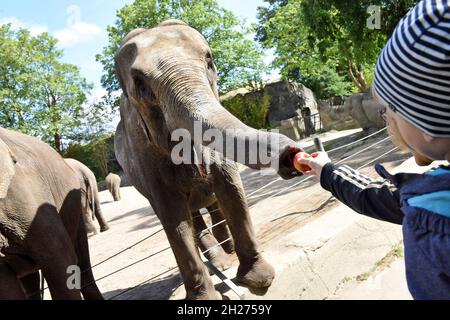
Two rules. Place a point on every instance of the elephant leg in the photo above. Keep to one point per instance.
(89, 287)
(207, 242)
(89, 225)
(173, 212)
(51, 248)
(111, 191)
(88, 222)
(221, 232)
(10, 288)
(99, 214)
(31, 285)
(254, 270)
(117, 196)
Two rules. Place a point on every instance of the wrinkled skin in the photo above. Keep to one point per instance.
(41, 223)
(169, 80)
(91, 203)
(113, 184)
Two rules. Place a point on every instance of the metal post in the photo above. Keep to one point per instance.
(318, 144)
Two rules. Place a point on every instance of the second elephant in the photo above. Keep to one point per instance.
(92, 203)
(41, 208)
(113, 184)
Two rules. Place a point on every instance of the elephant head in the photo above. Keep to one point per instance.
(168, 75)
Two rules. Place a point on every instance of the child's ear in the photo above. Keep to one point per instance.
(427, 138)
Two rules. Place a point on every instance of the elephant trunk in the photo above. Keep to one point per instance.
(193, 107)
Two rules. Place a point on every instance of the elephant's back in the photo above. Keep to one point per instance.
(42, 164)
(108, 180)
(83, 170)
(116, 179)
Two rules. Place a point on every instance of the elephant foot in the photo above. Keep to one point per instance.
(202, 288)
(215, 253)
(104, 228)
(219, 259)
(222, 262)
(92, 232)
(257, 273)
(206, 295)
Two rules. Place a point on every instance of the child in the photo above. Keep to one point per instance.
(412, 83)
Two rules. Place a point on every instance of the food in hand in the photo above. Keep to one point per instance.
(303, 167)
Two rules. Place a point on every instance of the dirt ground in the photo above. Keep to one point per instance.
(136, 269)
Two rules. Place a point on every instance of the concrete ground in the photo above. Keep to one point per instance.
(388, 284)
(320, 248)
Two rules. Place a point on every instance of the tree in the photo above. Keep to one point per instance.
(39, 95)
(253, 110)
(343, 24)
(64, 92)
(328, 39)
(238, 58)
(98, 155)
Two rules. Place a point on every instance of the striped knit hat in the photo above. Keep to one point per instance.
(412, 74)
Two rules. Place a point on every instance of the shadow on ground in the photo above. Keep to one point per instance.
(139, 212)
(150, 223)
(160, 289)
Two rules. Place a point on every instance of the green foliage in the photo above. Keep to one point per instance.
(328, 83)
(39, 95)
(251, 109)
(237, 58)
(282, 27)
(327, 43)
(98, 155)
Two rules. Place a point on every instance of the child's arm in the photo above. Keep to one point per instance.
(378, 199)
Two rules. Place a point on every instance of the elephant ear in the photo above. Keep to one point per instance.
(7, 170)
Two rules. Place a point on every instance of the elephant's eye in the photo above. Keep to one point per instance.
(142, 88)
(140, 85)
(209, 61)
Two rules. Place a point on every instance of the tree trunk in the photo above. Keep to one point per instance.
(359, 80)
(56, 134)
(57, 141)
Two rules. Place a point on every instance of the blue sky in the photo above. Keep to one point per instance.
(80, 25)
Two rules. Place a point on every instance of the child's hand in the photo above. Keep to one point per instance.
(315, 163)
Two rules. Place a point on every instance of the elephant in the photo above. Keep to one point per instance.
(41, 221)
(169, 82)
(113, 185)
(91, 203)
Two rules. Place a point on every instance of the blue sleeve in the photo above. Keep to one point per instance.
(375, 198)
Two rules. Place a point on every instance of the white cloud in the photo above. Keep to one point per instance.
(76, 33)
(16, 24)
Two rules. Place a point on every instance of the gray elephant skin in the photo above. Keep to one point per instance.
(91, 203)
(168, 79)
(41, 222)
(113, 184)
